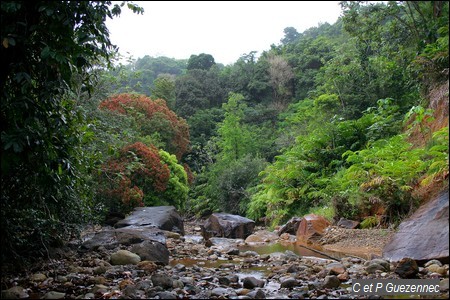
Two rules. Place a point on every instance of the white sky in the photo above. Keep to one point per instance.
(224, 29)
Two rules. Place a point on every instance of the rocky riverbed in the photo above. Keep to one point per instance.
(217, 269)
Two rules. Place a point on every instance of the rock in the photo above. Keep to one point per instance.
(433, 262)
(162, 217)
(331, 282)
(335, 268)
(434, 268)
(373, 267)
(262, 236)
(148, 266)
(252, 282)
(289, 283)
(38, 277)
(106, 238)
(16, 292)
(384, 263)
(124, 257)
(290, 227)
(166, 295)
(162, 280)
(228, 226)
(424, 235)
(222, 292)
(54, 295)
(407, 268)
(194, 239)
(137, 234)
(256, 294)
(311, 228)
(152, 251)
(443, 284)
(349, 224)
(113, 217)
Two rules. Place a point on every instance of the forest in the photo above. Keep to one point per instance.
(338, 120)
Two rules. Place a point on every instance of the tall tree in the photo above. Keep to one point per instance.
(44, 43)
(202, 61)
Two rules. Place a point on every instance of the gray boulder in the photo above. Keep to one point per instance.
(228, 226)
(162, 217)
(424, 235)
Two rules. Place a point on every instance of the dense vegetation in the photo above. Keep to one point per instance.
(327, 121)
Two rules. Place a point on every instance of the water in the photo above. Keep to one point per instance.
(294, 247)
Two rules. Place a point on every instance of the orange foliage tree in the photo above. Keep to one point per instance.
(134, 178)
(153, 116)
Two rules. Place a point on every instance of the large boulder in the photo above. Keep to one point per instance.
(162, 217)
(291, 226)
(152, 251)
(110, 239)
(424, 235)
(228, 226)
(311, 228)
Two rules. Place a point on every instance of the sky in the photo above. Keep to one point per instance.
(224, 29)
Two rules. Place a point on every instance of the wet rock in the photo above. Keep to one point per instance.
(16, 292)
(331, 282)
(124, 257)
(194, 239)
(290, 227)
(424, 235)
(311, 228)
(162, 280)
(252, 282)
(262, 236)
(257, 294)
(407, 268)
(346, 223)
(162, 217)
(228, 226)
(152, 251)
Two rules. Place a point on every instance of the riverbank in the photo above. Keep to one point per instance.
(220, 269)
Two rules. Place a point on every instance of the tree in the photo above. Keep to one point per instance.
(153, 117)
(44, 43)
(291, 35)
(280, 77)
(202, 61)
(164, 88)
(234, 137)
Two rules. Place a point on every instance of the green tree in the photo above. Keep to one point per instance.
(44, 44)
(202, 62)
(164, 88)
(235, 139)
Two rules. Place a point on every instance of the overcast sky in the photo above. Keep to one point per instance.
(224, 29)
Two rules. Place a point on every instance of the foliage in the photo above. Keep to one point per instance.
(142, 175)
(153, 116)
(202, 61)
(44, 187)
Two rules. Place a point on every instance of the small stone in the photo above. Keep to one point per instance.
(331, 282)
(38, 277)
(443, 285)
(251, 282)
(54, 295)
(162, 280)
(125, 257)
(434, 268)
(335, 268)
(433, 262)
(16, 292)
(289, 283)
(407, 268)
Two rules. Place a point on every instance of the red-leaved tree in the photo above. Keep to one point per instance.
(134, 178)
(153, 116)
